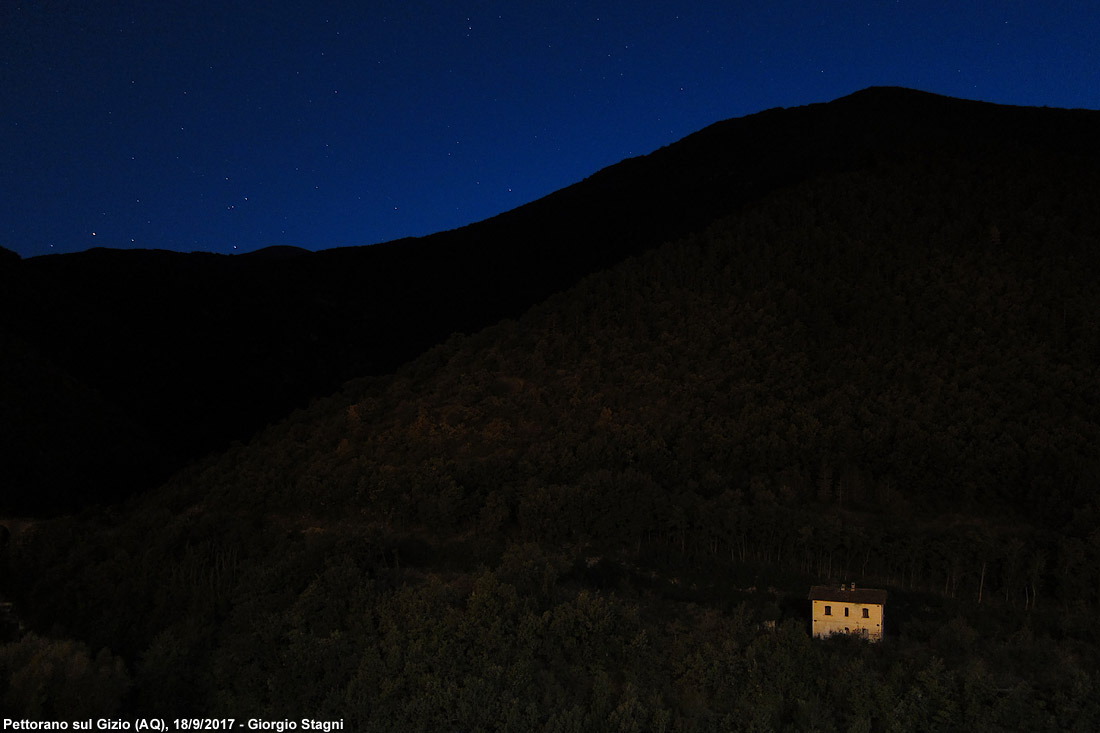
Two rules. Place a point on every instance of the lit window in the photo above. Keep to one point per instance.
(828, 610)
(866, 613)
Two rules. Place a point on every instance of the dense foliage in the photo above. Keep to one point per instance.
(606, 514)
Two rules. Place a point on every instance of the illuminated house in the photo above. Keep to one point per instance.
(845, 610)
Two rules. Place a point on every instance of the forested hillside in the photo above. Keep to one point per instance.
(605, 514)
(196, 350)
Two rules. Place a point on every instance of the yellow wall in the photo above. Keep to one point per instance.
(854, 623)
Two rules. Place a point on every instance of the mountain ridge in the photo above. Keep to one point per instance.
(203, 349)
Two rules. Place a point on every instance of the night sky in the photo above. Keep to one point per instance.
(229, 126)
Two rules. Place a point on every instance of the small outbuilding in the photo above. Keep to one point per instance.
(847, 610)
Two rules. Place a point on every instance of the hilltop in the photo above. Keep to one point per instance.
(196, 351)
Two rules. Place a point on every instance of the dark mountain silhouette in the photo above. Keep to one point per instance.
(58, 434)
(200, 350)
(878, 364)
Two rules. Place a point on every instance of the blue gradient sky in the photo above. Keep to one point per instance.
(232, 125)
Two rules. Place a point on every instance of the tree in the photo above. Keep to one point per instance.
(60, 680)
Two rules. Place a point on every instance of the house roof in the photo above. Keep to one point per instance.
(846, 595)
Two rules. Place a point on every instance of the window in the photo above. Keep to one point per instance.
(828, 610)
(866, 613)
(845, 610)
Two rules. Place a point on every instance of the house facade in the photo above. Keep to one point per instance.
(847, 610)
